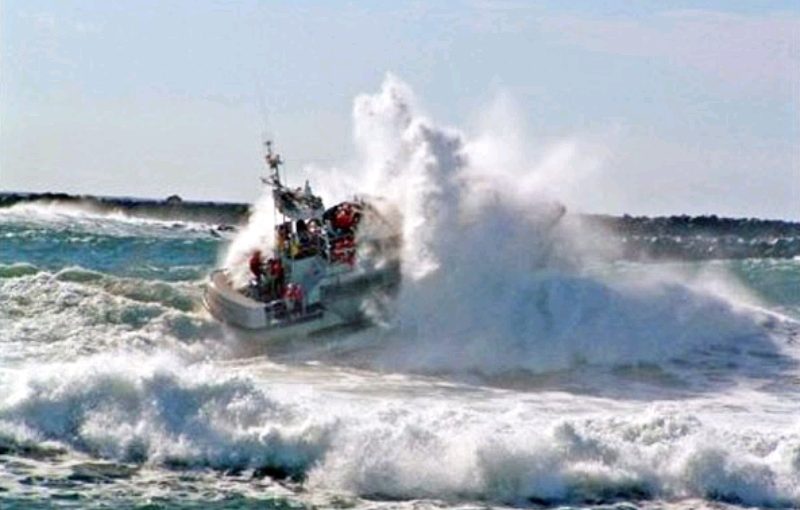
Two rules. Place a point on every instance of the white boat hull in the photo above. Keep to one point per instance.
(341, 304)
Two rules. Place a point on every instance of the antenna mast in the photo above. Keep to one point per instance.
(274, 162)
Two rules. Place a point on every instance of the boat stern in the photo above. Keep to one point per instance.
(231, 307)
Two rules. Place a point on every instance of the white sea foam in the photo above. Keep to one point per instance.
(89, 219)
(138, 408)
(76, 311)
(500, 448)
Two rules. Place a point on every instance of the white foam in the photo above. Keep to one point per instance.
(85, 218)
(74, 312)
(136, 408)
(493, 446)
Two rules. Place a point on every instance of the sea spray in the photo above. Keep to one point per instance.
(494, 270)
(494, 274)
(257, 234)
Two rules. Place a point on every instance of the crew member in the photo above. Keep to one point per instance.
(344, 219)
(294, 298)
(277, 277)
(257, 265)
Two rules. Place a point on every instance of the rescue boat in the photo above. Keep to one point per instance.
(325, 271)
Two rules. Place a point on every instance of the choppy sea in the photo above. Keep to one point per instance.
(592, 390)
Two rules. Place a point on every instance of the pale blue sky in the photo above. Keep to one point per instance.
(696, 104)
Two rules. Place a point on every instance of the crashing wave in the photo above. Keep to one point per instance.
(159, 412)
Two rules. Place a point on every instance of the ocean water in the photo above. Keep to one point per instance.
(119, 391)
(520, 367)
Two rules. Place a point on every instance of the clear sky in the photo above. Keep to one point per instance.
(696, 104)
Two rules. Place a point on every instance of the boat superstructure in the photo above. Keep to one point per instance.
(324, 268)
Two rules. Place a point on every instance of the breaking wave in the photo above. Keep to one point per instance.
(152, 414)
(496, 275)
(158, 411)
(170, 209)
(75, 311)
